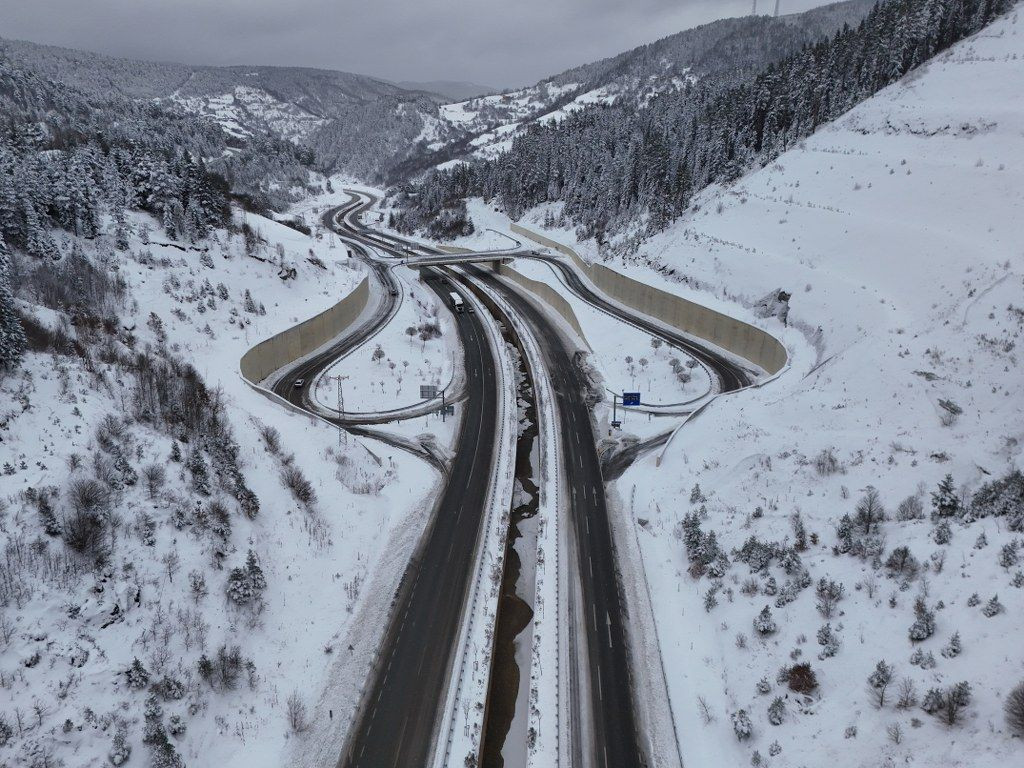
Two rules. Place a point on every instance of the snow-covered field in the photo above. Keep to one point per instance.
(71, 635)
(386, 373)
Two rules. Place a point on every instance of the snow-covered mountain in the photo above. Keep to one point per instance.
(485, 126)
(308, 106)
(454, 90)
(896, 230)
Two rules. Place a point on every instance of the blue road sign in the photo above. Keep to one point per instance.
(631, 398)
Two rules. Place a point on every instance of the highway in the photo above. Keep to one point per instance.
(397, 720)
(602, 615)
(399, 715)
(611, 723)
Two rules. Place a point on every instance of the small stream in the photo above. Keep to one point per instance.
(505, 736)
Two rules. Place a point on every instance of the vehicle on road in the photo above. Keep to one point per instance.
(471, 309)
(393, 291)
(457, 304)
(299, 383)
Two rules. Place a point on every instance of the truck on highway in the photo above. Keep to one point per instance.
(457, 304)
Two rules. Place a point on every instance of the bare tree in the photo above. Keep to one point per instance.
(296, 711)
(895, 733)
(705, 710)
(906, 694)
(1014, 709)
(154, 476)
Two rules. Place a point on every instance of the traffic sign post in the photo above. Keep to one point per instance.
(428, 391)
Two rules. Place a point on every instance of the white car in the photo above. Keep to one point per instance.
(299, 383)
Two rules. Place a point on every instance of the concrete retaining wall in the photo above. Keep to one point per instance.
(547, 294)
(453, 249)
(276, 352)
(740, 338)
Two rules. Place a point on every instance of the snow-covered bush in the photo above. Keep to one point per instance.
(923, 659)
(741, 724)
(942, 533)
(953, 648)
(764, 622)
(829, 641)
(924, 622)
(946, 501)
(901, 562)
(1002, 498)
(1009, 555)
(120, 749)
(879, 681)
(993, 607)
(296, 482)
(828, 593)
(910, 508)
(137, 675)
(777, 711)
(245, 585)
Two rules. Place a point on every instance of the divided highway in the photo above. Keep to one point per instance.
(398, 718)
(603, 614)
(614, 741)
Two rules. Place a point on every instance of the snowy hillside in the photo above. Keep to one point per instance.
(717, 51)
(308, 106)
(897, 230)
(218, 546)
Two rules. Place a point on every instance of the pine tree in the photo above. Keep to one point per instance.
(12, 335)
(945, 501)
(764, 623)
(777, 711)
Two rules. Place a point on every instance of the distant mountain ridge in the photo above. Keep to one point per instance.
(384, 131)
(453, 90)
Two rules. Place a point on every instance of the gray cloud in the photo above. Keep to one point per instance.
(494, 42)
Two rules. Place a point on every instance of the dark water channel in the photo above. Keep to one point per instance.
(504, 741)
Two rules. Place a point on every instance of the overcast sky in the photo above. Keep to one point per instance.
(492, 42)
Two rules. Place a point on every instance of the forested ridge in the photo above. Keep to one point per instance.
(614, 166)
(68, 159)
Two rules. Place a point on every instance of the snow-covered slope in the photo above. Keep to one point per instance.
(898, 231)
(70, 629)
